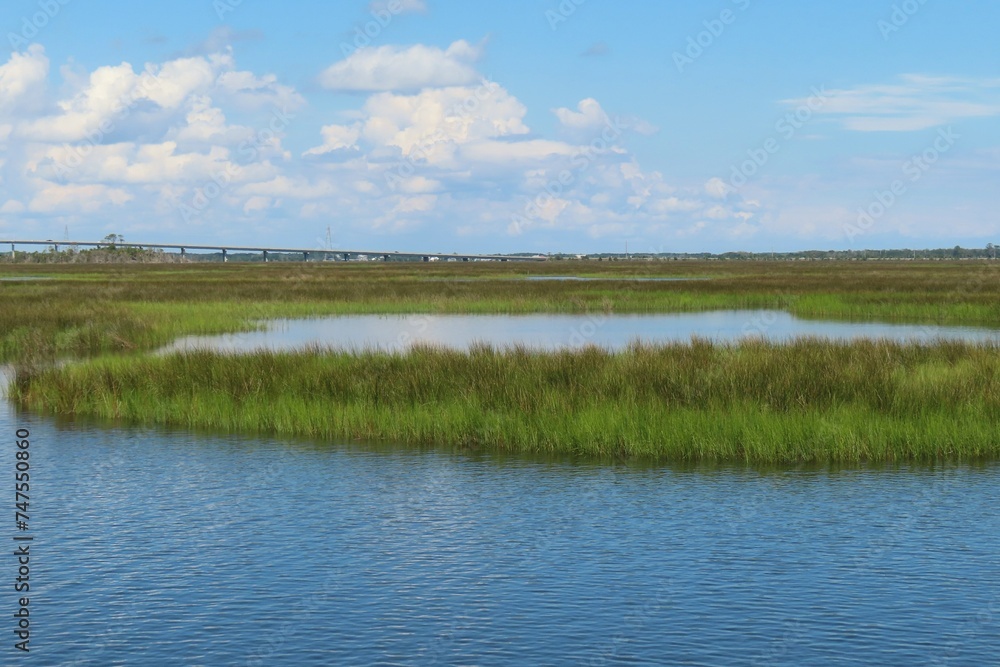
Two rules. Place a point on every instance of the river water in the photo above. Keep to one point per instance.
(159, 547)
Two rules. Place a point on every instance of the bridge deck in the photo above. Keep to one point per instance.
(305, 252)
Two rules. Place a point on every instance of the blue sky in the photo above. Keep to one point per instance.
(535, 125)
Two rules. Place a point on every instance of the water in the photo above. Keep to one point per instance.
(631, 279)
(172, 548)
(555, 331)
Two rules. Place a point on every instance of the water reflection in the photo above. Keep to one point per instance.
(398, 332)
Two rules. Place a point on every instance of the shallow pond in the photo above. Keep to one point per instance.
(394, 332)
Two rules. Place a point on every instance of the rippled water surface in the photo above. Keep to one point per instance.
(556, 331)
(170, 548)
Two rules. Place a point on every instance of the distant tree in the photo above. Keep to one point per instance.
(113, 239)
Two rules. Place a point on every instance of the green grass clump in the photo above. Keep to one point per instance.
(756, 402)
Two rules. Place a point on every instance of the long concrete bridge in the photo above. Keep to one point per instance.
(265, 251)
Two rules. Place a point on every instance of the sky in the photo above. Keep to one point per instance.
(546, 126)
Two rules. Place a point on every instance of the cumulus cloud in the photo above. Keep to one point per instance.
(56, 198)
(443, 115)
(431, 146)
(245, 91)
(122, 137)
(22, 80)
(337, 138)
(391, 68)
(588, 116)
(115, 98)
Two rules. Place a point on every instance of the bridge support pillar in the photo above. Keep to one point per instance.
(305, 257)
(345, 256)
(225, 255)
(183, 253)
(13, 255)
(265, 256)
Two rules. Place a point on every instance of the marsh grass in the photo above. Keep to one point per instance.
(808, 401)
(756, 402)
(87, 310)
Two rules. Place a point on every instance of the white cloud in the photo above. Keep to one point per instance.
(245, 90)
(336, 138)
(589, 116)
(716, 188)
(524, 153)
(255, 204)
(913, 103)
(55, 198)
(419, 185)
(433, 147)
(432, 123)
(391, 68)
(22, 80)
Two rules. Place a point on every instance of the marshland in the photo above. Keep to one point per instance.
(757, 401)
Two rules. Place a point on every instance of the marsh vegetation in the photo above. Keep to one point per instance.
(87, 310)
(812, 400)
(809, 400)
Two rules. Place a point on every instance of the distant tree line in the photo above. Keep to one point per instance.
(956, 253)
(59, 253)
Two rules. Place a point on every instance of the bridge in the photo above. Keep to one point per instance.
(265, 251)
